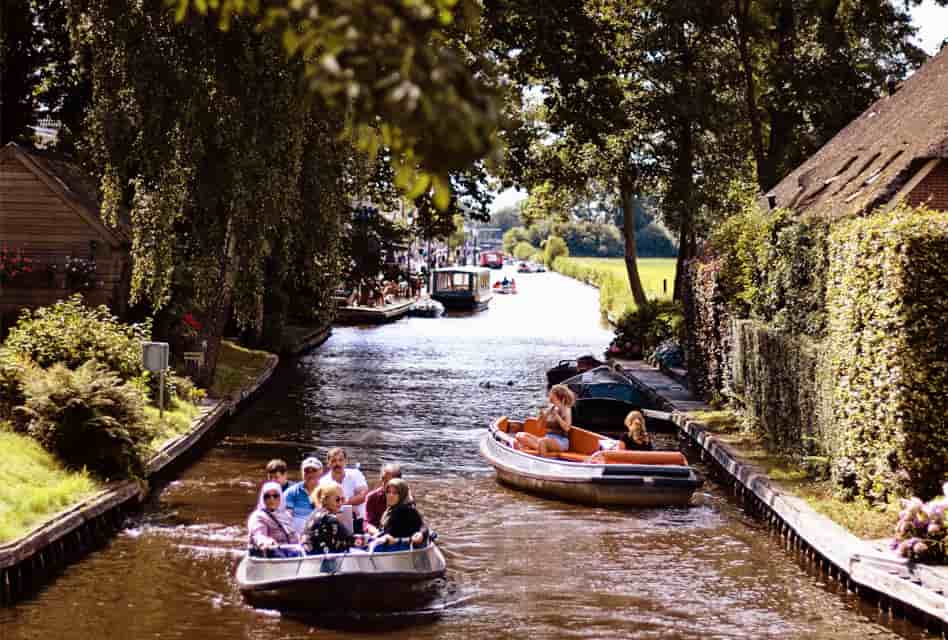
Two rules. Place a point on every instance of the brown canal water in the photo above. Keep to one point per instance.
(420, 392)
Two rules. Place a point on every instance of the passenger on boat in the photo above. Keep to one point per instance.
(375, 500)
(558, 419)
(323, 532)
(637, 437)
(297, 496)
(276, 472)
(401, 519)
(270, 525)
(354, 485)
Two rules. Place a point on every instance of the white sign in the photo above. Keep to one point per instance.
(155, 356)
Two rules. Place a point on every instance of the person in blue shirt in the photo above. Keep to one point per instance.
(298, 502)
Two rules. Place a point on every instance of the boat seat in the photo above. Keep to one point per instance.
(645, 457)
(534, 428)
(528, 450)
(503, 423)
(572, 456)
(583, 442)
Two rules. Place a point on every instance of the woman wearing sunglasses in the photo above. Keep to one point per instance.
(270, 525)
(323, 532)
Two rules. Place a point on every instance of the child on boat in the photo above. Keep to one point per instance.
(558, 419)
(637, 437)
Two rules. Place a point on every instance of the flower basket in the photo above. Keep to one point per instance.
(80, 274)
(13, 266)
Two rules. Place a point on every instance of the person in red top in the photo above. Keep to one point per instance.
(375, 501)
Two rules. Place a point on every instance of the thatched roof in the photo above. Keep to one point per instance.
(867, 163)
(72, 183)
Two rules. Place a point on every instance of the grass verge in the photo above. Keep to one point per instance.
(859, 517)
(609, 274)
(178, 416)
(34, 486)
(237, 367)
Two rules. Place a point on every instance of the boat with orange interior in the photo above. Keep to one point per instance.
(615, 477)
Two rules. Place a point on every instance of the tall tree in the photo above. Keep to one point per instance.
(19, 61)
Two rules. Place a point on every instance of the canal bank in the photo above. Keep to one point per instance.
(29, 562)
(865, 567)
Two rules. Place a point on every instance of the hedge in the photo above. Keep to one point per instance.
(842, 344)
(887, 349)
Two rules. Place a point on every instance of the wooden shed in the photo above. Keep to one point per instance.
(53, 241)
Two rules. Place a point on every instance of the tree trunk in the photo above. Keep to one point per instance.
(685, 178)
(742, 9)
(627, 197)
(218, 313)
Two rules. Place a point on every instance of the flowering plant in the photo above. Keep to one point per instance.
(80, 273)
(192, 325)
(920, 533)
(13, 263)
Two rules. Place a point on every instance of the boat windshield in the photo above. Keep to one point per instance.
(452, 281)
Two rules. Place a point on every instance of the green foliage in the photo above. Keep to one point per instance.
(513, 237)
(887, 337)
(640, 330)
(33, 485)
(71, 333)
(524, 251)
(554, 248)
(12, 370)
(88, 418)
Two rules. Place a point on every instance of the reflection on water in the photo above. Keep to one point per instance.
(420, 391)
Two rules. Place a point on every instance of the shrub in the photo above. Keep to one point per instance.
(87, 417)
(668, 354)
(72, 333)
(12, 371)
(523, 250)
(553, 249)
(921, 533)
(641, 330)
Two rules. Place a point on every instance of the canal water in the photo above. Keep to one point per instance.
(420, 392)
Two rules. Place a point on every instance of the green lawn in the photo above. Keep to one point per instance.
(237, 367)
(609, 274)
(33, 485)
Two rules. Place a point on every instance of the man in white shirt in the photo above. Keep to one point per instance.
(354, 486)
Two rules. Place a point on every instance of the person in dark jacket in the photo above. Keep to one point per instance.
(401, 519)
(636, 438)
(323, 532)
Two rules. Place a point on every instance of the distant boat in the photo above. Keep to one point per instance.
(358, 314)
(604, 397)
(631, 478)
(461, 287)
(427, 308)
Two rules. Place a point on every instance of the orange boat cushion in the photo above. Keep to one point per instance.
(644, 457)
(534, 428)
(532, 452)
(582, 441)
(503, 424)
(573, 457)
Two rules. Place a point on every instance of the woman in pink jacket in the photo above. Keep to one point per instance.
(270, 525)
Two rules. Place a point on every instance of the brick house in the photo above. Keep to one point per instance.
(896, 151)
(49, 214)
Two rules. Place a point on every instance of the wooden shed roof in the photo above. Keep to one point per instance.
(867, 163)
(70, 182)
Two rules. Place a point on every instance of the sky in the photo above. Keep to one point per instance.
(932, 23)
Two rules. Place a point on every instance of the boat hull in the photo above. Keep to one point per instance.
(389, 581)
(462, 302)
(613, 484)
(374, 315)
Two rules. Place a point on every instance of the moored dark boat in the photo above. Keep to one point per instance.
(461, 287)
(630, 478)
(374, 315)
(568, 368)
(376, 581)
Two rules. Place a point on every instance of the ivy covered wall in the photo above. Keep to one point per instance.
(838, 341)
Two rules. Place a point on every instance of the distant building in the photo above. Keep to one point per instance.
(50, 215)
(896, 151)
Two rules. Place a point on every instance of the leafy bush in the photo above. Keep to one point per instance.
(176, 387)
(71, 333)
(554, 248)
(921, 533)
(668, 354)
(523, 250)
(88, 418)
(641, 330)
(12, 371)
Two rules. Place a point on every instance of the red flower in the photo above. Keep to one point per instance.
(191, 321)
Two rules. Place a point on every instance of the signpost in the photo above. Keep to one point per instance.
(155, 359)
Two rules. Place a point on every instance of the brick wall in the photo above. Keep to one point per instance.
(932, 191)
